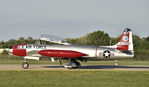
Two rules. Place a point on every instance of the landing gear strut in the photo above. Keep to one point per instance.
(25, 65)
(72, 63)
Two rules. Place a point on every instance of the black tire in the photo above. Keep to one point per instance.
(25, 65)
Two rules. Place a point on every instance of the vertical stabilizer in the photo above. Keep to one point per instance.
(126, 41)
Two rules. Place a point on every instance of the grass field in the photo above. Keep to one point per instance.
(74, 78)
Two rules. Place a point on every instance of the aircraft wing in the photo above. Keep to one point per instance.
(54, 39)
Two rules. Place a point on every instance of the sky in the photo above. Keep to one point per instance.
(72, 18)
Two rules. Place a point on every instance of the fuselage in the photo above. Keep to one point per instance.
(71, 51)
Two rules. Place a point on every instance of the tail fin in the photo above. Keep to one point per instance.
(126, 42)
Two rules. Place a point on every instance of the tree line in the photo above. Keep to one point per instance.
(21, 40)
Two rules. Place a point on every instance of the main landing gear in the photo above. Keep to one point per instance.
(72, 64)
(25, 65)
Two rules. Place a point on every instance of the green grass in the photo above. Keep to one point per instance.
(74, 78)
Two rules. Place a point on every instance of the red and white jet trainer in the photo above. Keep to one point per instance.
(73, 53)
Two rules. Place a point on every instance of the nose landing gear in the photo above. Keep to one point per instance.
(25, 65)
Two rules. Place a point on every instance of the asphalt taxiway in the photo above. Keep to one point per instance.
(84, 67)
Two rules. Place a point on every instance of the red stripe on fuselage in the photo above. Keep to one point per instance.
(61, 53)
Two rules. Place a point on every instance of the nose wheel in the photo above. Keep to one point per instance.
(25, 65)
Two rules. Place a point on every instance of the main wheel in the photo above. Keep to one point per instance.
(25, 65)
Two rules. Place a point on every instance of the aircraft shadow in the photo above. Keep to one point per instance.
(52, 66)
(102, 67)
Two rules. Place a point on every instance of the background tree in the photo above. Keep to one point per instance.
(95, 38)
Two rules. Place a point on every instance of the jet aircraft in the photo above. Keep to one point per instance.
(75, 53)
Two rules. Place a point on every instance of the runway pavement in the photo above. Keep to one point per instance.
(85, 67)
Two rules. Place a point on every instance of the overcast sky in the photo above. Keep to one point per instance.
(72, 18)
